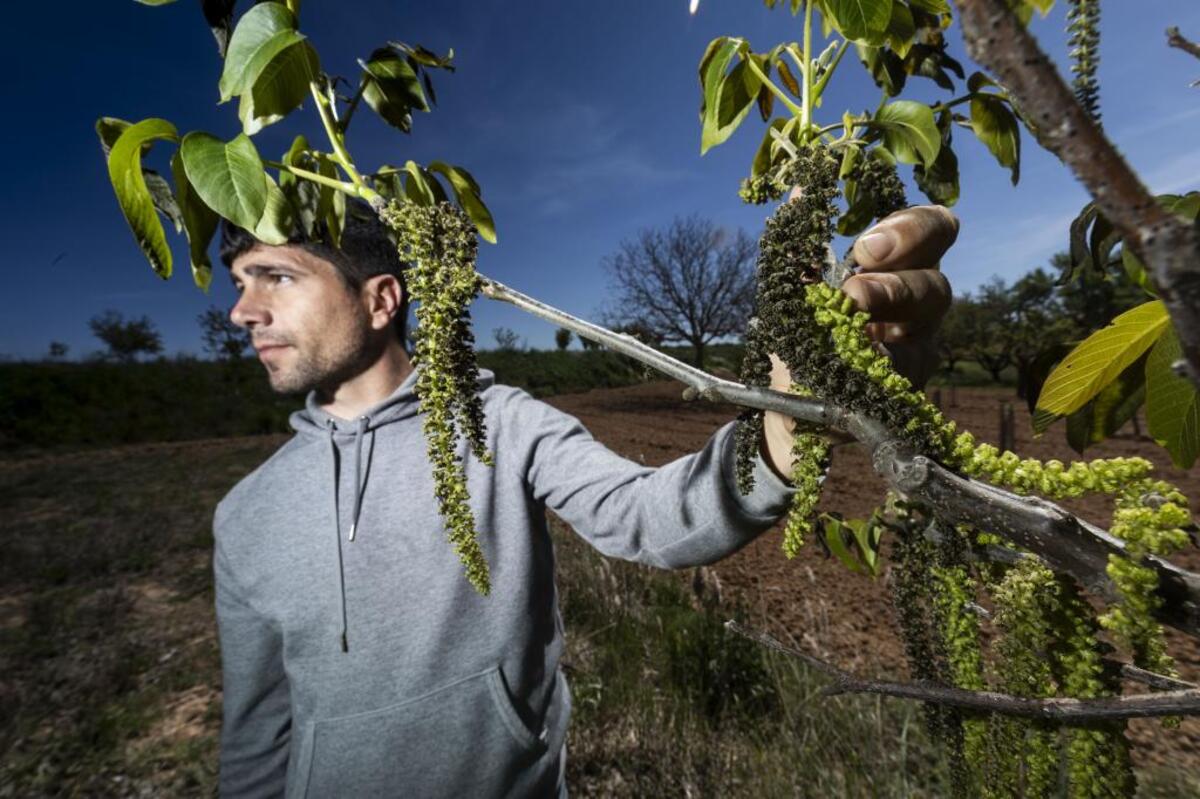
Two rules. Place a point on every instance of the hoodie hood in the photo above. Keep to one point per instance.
(359, 436)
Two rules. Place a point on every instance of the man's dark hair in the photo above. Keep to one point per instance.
(366, 250)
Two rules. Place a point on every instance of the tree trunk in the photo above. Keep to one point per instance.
(698, 346)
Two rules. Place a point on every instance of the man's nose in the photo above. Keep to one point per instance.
(249, 312)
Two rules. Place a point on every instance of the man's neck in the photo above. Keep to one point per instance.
(371, 386)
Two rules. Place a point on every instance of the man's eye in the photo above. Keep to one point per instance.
(280, 277)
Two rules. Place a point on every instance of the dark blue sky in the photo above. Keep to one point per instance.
(578, 119)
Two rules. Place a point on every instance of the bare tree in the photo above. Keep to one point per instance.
(222, 338)
(506, 339)
(691, 282)
(58, 350)
(126, 338)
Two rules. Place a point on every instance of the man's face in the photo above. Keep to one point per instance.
(309, 328)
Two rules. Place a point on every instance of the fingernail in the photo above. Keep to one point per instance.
(878, 244)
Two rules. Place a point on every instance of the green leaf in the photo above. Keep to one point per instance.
(1102, 356)
(940, 181)
(109, 129)
(1137, 271)
(979, 81)
(932, 6)
(275, 226)
(857, 19)
(788, 79)
(832, 532)
(1172, 405)
(997, 128)
(1108, 411)
(393, 89)
(728, 97)
(910, 132)
(901, 29)
(199, 222)
(291, 158)
(163, 199)
(129, 183)
(228, 177)
(886, 68)
(416, 187)
(764, 156)
(466, 191)
(279, 88)
(262, 33)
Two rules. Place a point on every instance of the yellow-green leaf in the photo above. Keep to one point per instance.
(1172, 405)
(1101, 357)
(199, 222)
(466, 191)
(125, 172)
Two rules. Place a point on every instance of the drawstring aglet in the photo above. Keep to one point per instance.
(353, 530)
(345, 643)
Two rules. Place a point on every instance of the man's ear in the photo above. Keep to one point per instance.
(383, 296)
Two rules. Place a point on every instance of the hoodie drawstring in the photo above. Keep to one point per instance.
(360, 484)
(360, 476)
(337, 534)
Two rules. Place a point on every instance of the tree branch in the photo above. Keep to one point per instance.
(1167, 245)
(1176, 39)
(1182, 702)
(1067, 543)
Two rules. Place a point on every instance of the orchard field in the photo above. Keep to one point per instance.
(110, 678)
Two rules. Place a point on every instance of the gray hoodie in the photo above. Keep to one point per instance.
(358, 661)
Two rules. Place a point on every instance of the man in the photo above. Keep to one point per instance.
(357, 659)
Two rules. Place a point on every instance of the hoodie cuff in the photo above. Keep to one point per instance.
(771, 496)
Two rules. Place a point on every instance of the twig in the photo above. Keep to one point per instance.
(1176, 39)
(1167, 245)
(1185, 702)
(1064, 541)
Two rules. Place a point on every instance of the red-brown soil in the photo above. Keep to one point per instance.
(813, 599)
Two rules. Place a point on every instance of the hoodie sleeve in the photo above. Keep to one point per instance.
(686, 513)
(256, 729)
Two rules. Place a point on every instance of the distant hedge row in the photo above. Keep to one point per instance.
(68, 405)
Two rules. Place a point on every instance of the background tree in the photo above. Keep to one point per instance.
(1036, 317)
(562, 338)
(58, 350)
(1095, 297)
(506, 339)
(954, 334)
(126, 338)
(986, 318)
(222, 338)
(691, 282)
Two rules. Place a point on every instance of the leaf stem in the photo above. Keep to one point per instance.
(333, 183)
(335, 137)
(775, 90)
(807, 86)
(824, 79)
(353, 104)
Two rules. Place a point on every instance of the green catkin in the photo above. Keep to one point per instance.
(440, 244)
(1024, 753)
(953, 597)
(812, 458)
(1083, 25)
(1048, 641)
(913, 556)
(1097, 757)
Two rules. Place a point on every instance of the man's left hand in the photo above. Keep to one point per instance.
(901, 285)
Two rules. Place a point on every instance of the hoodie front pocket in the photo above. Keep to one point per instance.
(465, 739)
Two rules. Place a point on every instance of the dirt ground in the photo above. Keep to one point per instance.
(106, 615)
(816, 601)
